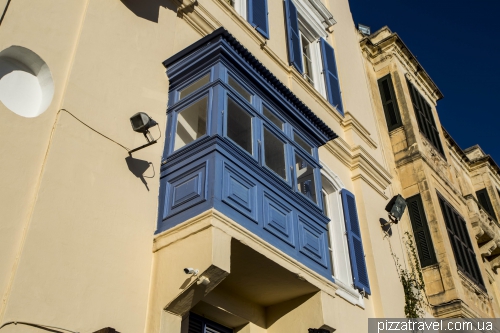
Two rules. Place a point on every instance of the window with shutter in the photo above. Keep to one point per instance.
(356, 252)
(425, 119)
(198, 324)
(421, 232)
(485, 202)
(389, 102)
(257, 16)
(463, 251)
(293, 34)
(331, 76)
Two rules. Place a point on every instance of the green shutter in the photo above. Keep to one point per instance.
(390, 103)
(426, 123)
(421, 231)
(461, 244)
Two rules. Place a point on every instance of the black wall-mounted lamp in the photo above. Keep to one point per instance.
(318, 330)
(396, 207)
(141, 123)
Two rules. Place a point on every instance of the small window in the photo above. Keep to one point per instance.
(191, 123)
(239, 125)
(302, 143)
(274, 153)
(194, 86)
(242, 91)
(305, 178)
(275, 120)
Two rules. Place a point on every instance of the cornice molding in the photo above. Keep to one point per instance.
(362, 165)
(351, 123)
(197, 16)
(393, 46)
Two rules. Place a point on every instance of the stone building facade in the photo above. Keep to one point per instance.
(257, 207)
(452, 194)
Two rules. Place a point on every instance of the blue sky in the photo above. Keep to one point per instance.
(457, 44)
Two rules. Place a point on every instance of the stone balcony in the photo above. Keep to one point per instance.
(487, 232)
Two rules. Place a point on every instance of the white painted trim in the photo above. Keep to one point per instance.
(328, 19)
(309, 18)
(241, 8)
(319, 79)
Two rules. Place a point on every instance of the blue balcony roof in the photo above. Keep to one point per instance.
(222, 36)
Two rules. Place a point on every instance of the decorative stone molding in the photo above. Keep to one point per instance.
(474, 294)
(197, 16)
(351, 123)
(362, 165)
(384, 44)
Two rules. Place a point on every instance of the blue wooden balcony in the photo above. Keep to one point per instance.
(240, 142)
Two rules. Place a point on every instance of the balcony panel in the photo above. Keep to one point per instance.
(216, 176)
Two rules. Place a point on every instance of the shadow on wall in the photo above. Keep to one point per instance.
(138, 167)
(149, 10)
(386, 227)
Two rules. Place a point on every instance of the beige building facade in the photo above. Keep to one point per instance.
(269, 175)
(452, 194)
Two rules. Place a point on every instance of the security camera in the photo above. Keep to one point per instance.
(191, 271)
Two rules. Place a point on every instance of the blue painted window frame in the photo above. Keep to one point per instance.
(314, 149)
(266, 120)
(218, 91)
(176, 92)
(181, 106)
(243, 103)
(281, 136)
(317, 174)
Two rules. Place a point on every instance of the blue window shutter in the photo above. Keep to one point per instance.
(257, 16)
(331, 76)
(292, 25)
(356, 253)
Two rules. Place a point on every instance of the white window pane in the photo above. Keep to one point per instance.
(302, 143)
(239, 125)
(305, 178)
(242, 91)
(191, 123)
(194, 86)
(274, 153)
(275, 120)
(306, 59)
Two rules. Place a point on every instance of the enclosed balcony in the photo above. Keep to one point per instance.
(240, 142)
